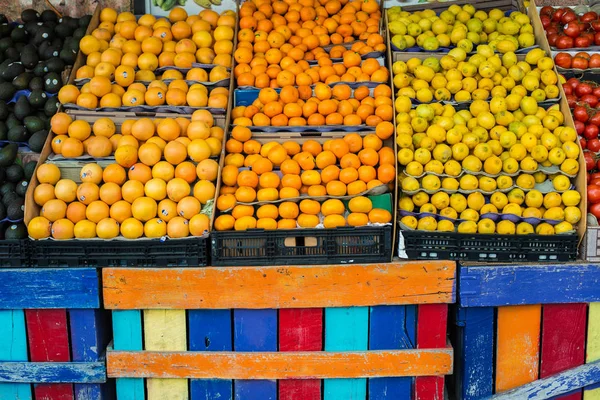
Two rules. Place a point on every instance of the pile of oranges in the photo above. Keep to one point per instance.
(321, 105)
(112, 202)
(141, 140)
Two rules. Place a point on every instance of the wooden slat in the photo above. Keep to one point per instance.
(48, 337)
(210, 330)
(165, 330)
(346, 329)
(498, 285)
(592, 352)
(392, 328)
(127, 333)
(53, 372)
(279, 365)
(280, 287)
(431, 333)
(518, 345)
(255, 330)
(49, 288)
(13, 347)
(563, 340)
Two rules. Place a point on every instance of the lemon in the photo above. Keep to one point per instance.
(504, 182)
(510, 166)
(431, 182)
(513, 209)
(525, 181)
(409, 221)
(414, 168)
(468, 182)
(470, 215)
(445, 226)
(556, 156)
(499, 200)
(544, 229)
(571, 198)
(482, 151)
(524, 228)
(410, 184)
(452, 168)
(458, 202)
(563, 227)
(529, 164)
(427, 143)
(496, 147)
(552, 199)
(529, 141)
(568, 134)
(423, 156)
(555, 213)
(516, 196)
(428, 208)
(549, 141)
(434, 166)
(427, 224)
(487, 184)
(534, 198)
(486, 225)
(406, 204)
(440, 200)
(532, 212)
(420, 198)
(405, 156)
(437, 133)
(539, 177)
(449, 212)
(467, 227)
(472, 163)
(507, 139)
(569, 166)
(572, 214)
(450, 184)
(539, 153)
(419, 124)
(488, 209)
(475, 201)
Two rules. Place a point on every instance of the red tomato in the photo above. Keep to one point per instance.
(595, 209)
(593, 194)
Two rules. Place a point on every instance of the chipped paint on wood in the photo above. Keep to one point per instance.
(13, 347)
(52, 372)
(127, 333)
(593, 346)
(431, 333)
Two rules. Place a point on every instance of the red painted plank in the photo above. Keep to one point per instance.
(48, 336)
(563, 340)
(300, 329)
(432, 322)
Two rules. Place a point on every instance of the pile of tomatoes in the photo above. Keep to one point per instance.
(593, 188)
(581, 60)
(567, 30)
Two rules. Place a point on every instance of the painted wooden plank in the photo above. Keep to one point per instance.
(517, 350)
(555, 385)
(280, 287)
(255, 330)
(127, 333)
(475, 352)
(13, 347)
(165, 330)
(593, 346)
(279, 365)
(498, 285)
(33, 288)
(88, 343)
(300, 329)
(346, 329)
(563, 340)
(391, 328)
(431, 333)
(48, 337)
(210, 330)
(52, 372)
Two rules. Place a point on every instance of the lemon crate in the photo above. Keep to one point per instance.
(331, 332)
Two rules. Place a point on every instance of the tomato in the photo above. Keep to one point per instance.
(566, 42)
(595, 209)
(594, 145)
(595, 175)
(579, 127)
(579, 63)
(593, 194)
(590, 161)
(591, 132)
(568, 89)
(547, 10)
(568, 16)
(580, 113)
(583, 89)
(583, 42)
(589, 16)
(596, 25)
(590, 99)
(558, 14)
(573, 82)
(546, 20)
(595, 119)
(583, 143)
(552, 38)
(572, 29)
(596, 91)
(563, 60)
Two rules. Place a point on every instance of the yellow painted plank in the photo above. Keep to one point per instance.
(165, 330)
(593, 345)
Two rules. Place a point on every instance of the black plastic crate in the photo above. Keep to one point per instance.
(302, 246)
(13, 253)
(421, 245)
(188, 252)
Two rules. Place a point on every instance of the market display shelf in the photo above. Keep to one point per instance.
(273, 332)
(13, 253)
(54, 335)
(527, 331)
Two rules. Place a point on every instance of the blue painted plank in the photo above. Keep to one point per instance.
(88, 343)
(13, 347)
(127, 333)
(210, 330)
(475, 353)
(255, 330)
(565, 382)
(346, 329)
(52, 372)
(49, 288)
(501, 285)
(392, 328)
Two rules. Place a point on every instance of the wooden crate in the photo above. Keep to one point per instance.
(528, 332)
(53, 335)
(374, 331)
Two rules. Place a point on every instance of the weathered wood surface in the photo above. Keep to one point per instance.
(280, 287)
(279, 365)
(431, 333)
(52, 372)
(28, 288)
(13, 347)
(593, 347)
(564, 382)
(499, 285)
(127, 332)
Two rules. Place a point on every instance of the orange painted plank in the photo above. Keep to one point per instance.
(279, 365)
(280, 287)
(518, 346)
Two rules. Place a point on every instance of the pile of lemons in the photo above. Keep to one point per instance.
(485, 74)
(463, 27)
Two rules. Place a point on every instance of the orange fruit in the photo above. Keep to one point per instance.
(177, 189)
(207, 169)
(379, 215)
(126, 156)
(199, 225)
(175, 152)
(48, 173)
(144, 209)
(79, 129)
(333, 221)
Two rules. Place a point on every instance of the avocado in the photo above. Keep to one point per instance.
(7, 91)
(10, 196)
(12, 70)
(16, 209)
(21, 82)
(43, 34)
(55, 64)
(29, 14)
(37, 140)
(52, 82)
(21, 187)
(17, 134)
(2, 212)
(53, 50)
(49, 15)
(19, 34)
(85, 21)
(12, 54)
(79, 33)
(12, 121)
(33, 124)
(29, 56)
(3, 131)
(5, 29)
(8, 154)
(71, 43)
(40, 69)
(29, 169)
(5, 43)
(51, 107)
(68, 56)
(38, 98)
(6, 187)
(15, 232)
(36, 83)
(32, 27)
(63, 30)
(22, 108)
(14, 173)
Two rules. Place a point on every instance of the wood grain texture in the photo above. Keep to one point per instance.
(127, 333)
(279, 365)
(48, 337)
(13, 347)
(518, 345)
(499, 285)
(165, 330)
(563, 340)
(280, 287)
(49, 288)
(431, 333)
(300, 329)
(53, 372)
(592, 352)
